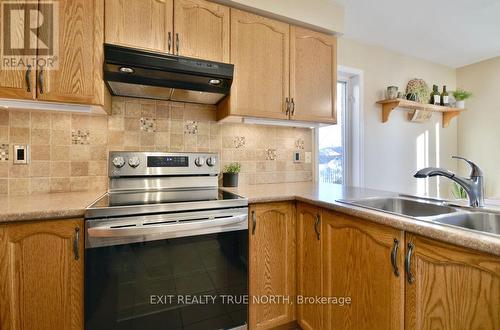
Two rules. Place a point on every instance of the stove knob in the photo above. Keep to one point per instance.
(134, 161)
(211, 161)
(118, 162)
(200, 161)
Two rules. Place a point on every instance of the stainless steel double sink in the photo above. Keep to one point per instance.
(435, 211)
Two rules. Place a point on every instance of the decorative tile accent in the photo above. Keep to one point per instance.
(271, 154)
(148, 124)
(4, 152)
(80, 136)
(191, 127)
(299, 143)
(239, 141)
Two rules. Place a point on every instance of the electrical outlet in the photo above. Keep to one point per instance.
(297, 158)
(21, 154)
(308, 157)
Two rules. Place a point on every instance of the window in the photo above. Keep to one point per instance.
(331, 143)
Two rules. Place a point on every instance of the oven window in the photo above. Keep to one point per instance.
(184, 283)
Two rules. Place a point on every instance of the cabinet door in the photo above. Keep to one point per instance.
(357, 264)
(313, 75)
(145, 24)
(260, 53)
(272, 264)
(78, 77)
(202, 30)
(19, 83)
(309, 265)
(453, 288)
(41, 282)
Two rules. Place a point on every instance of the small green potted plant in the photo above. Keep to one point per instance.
(230, 175)
(460, 96)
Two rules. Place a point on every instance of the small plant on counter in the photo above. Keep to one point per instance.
(232, 168)
(460, 96)
(230, 175)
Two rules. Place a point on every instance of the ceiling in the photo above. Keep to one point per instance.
(450, 32)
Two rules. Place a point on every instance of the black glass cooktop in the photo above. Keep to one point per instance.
(163, 197)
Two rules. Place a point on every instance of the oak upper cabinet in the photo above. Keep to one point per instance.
(78, 78)
(272, 263)
(451, 287)
(357, 263)
(201, 30)
(18, 84)
(145, 24)
(313, 76)
(41, 282)
(75, 76)
(309, 265)
(260, 54)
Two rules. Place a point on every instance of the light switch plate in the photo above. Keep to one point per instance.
(307, 157)
(21, 154)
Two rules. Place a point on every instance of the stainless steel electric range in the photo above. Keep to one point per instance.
(165, 248)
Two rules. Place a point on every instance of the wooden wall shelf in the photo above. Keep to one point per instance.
(388, 105)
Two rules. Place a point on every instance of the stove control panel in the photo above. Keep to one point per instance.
(124, 164)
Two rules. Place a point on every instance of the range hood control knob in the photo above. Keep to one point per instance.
(118, 162)
(134, 162)
(200, 161)
(211, 161)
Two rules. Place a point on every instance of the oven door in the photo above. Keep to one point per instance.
(170, 271)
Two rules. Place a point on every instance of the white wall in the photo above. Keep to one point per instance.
(323, 14)
(390, 149)
(479, 126)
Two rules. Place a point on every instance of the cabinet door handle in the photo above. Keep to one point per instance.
(40, 79)
(76, 243)
(287, 106)
(169, 42)
(254, 222)
(394, 257)
(409, 276)
(27, 77)
(316, 226)
(293, 107)
(177, 43)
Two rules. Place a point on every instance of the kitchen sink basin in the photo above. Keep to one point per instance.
(403, 206)
(480, 221)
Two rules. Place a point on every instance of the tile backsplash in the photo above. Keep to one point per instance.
(69, 150)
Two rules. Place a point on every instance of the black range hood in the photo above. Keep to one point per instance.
(138, 73)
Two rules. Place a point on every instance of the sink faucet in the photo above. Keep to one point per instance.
(473, 185)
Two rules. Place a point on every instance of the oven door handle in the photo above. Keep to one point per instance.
(148, 229)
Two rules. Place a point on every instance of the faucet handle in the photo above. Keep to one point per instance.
(475, 170)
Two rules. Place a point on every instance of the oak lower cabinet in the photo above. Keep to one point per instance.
(41, 275)
(309, 265)
(357, 264)
(451, 287)
(272, 264)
